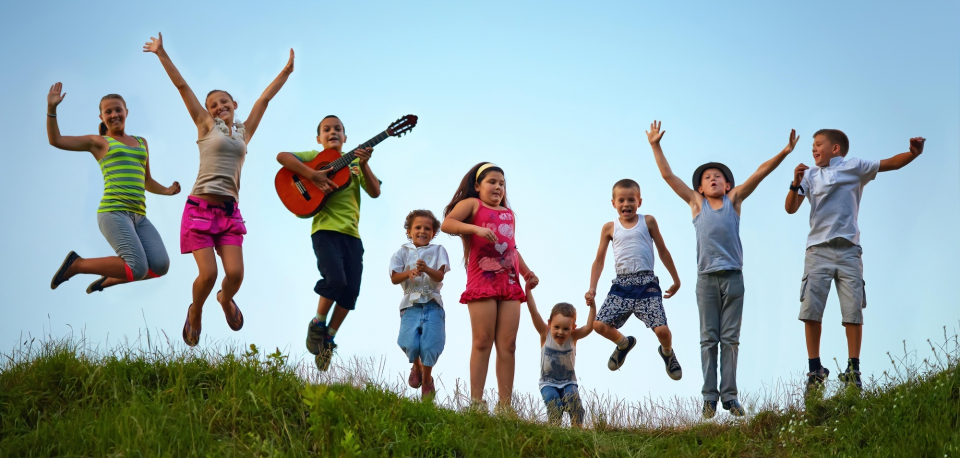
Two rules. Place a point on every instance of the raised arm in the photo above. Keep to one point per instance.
(538, 322)
(151, 185)
(606, 234)
(654, 135)
(587, 328)
(260, 106)
(897, 162)
(794, 198)
(664, 253)
(740, 193)
(198, 113)
(92, 143)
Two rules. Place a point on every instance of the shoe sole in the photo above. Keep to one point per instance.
(625, 351)
(61, 270)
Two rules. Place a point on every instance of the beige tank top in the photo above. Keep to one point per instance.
(222, 152)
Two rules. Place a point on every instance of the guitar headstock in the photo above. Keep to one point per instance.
(402, 126)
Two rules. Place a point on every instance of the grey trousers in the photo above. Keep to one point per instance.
(137, 242)
(720, 300)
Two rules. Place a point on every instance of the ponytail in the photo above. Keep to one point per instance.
(103, 129)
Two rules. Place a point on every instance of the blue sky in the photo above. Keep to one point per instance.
(559, 95)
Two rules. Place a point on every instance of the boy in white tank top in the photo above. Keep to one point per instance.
(635, 290)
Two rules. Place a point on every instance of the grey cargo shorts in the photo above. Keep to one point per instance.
(836, 260)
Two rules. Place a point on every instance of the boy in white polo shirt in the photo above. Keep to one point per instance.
(834, 187)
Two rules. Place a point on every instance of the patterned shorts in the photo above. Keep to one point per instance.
(637, 293)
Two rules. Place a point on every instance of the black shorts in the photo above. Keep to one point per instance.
(340, 261)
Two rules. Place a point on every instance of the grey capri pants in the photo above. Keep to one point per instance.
(137, 242)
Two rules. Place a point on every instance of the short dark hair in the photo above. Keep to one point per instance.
(626, 183)
(328, 117)
(424, 214)
(564, 309)
(837, 137)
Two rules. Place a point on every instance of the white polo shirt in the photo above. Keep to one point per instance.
(421, 289)
(834, 192)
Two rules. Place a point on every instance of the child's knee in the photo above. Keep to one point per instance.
(207, 277)
(159, 268)
(483, 342)
(600, 326)
(508, 346)
(233, 274)
(662, 332)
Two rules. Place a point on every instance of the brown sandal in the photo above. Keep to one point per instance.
(191, 336)
(237, 315)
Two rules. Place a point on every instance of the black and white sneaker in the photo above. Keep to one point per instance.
(58, 277)
(671, 363)
(316, 332)
(816, 378)
(733, 406)
(852, 377)
(620, 355)
(709, 409)
(326, 355)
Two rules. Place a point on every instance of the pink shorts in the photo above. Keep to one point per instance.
(205, 225)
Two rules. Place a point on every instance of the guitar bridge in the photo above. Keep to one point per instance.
(301, 188)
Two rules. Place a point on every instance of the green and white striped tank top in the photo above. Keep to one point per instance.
(124, 173)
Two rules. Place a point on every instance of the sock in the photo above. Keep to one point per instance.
(622, 343)
(853, 364)
(331, 333)
(320, 319)
(666, 353)
(815, 364)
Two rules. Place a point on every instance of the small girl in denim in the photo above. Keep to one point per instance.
(419, 267)
(558, 355)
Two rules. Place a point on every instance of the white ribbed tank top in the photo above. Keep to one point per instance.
(632, 248)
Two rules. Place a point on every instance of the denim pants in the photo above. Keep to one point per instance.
(135, 241)
(720, 300)
(560, 400)
(423, 332)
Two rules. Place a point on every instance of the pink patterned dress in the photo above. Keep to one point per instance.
(493, 269)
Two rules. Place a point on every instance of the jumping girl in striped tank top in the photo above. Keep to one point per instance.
(122, 216)
(211, 218)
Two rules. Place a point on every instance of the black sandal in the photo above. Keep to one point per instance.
(238, 315)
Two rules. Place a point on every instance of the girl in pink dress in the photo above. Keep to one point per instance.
(480, 214)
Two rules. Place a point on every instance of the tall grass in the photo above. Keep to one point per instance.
(146, 398)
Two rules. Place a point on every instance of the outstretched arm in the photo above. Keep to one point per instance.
(665, 257)
(587, 328)
(740, 193)
(198, 113)
(92, 143)
(897, 162)
(151, 185)
(794, 199)
(538, 322)
(260, 106)
(606, 234)
(654, 135)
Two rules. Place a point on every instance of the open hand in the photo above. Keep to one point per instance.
(486, 233)
(322, 180)
(54, 97)
(289, 67)
(792, 143)
(155, 45)
(671, 291)
(655, 134)
(531, 280)
(916, 144)
(173, 190)
(798, 174)
(422, 265)
(363, 154)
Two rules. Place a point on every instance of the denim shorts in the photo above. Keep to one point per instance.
(423, 332)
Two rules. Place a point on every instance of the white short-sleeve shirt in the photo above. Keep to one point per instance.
(834, 192)
(422, 289)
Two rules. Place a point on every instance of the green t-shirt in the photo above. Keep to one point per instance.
(341, 213)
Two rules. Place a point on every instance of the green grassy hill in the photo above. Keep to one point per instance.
(56, 400)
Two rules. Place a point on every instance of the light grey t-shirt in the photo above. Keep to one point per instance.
(834, 192)
(556, 363)
(718, 238)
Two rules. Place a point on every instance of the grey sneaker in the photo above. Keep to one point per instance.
(709, 409)
(315, 335)
(671, 363)
(325, 355)
(620, 355)
(733, 406)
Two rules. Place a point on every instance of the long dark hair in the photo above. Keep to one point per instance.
(466, 190)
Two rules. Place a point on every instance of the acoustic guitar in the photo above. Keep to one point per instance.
(305, 199)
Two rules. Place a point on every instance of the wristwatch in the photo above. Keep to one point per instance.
(795, 188)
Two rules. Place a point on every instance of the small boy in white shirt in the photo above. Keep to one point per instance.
(419, 267)
(834, 187)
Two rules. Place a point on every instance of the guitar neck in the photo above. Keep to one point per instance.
(346, 159)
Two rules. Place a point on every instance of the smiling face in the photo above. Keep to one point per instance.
(113, 113)
(332, 135)
(713, 184)
(492, 188)
(626, 201)
(421, 231)
(561, 327)
(824, 150)
(221, 105)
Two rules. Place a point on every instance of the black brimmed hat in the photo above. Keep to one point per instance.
(698, 175)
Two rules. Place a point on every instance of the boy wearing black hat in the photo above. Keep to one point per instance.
(834, 187)
(715, 206)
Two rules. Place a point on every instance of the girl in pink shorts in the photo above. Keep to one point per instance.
(211, 219)
(480, 214)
